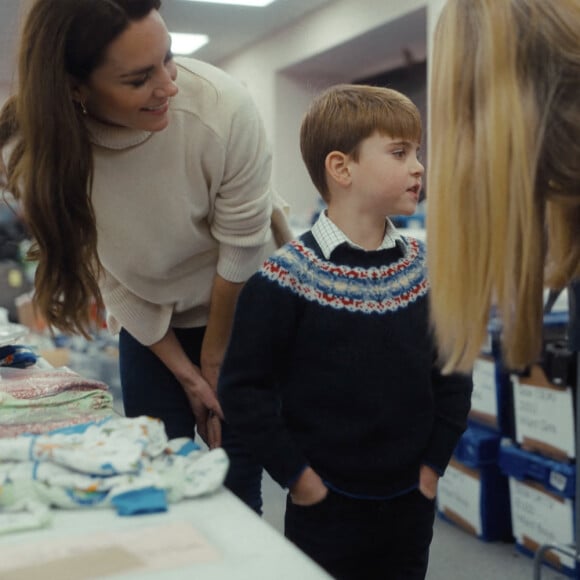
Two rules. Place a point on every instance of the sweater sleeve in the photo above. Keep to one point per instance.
(262, 335)
(244, 202)
(452, 395)
(145, 321)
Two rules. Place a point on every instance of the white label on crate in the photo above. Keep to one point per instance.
(484, 396)
(487, 346)
(459, 494)
(558, 480)
(561, 304)
(544, 418)
(541, 517)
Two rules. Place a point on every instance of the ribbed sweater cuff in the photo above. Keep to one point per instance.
(286, 466)
(238, 264)
(146, 322)
(443, 441)
(295, 478)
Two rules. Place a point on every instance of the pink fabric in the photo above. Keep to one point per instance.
(33, 383)
(37, 401)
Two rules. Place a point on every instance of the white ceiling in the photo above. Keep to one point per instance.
(390, 45)
(230, 28)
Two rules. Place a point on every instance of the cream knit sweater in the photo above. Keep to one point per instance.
(176, 206)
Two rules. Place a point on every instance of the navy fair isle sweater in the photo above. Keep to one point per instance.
(331, 364)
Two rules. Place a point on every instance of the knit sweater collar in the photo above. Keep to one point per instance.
(113, 137)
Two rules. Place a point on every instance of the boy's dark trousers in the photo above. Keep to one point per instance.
(365, 539)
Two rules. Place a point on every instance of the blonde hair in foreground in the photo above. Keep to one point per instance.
(504, 171)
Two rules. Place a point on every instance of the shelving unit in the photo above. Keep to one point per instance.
(574, 345)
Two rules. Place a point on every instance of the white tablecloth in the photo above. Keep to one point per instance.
(213, 537)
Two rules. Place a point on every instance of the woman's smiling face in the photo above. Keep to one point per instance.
(133, 85)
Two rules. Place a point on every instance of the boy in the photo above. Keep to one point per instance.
(330, 375)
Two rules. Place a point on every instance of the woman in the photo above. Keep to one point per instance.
(145, 182)
(504, 175)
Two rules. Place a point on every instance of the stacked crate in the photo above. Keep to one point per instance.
(540, 460)
(474, 493)
(542, 503)
(513, 472)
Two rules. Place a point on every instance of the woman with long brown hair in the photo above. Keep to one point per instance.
(145, 183)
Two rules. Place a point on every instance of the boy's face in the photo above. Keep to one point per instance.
(387, 176)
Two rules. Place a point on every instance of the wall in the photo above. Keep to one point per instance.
(349, 39)
(344, 41)
(10, 25)
(5, 92)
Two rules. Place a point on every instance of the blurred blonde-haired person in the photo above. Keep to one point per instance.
(504, 174)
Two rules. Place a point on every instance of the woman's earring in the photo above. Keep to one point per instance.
(83, 107)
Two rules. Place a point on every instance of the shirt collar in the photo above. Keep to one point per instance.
(329, 236)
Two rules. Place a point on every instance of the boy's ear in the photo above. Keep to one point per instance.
(337, 167)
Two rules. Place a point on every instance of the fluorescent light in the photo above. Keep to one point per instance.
(187, 43)
(259, 3)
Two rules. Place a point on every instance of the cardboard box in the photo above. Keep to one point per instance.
(473, 494)
(544, 416)
(542, 504)
(491, 400)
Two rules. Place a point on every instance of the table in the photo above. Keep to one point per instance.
(208, 538)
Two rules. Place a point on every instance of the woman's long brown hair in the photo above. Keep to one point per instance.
(47, 154)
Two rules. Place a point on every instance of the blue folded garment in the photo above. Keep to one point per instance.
(17, 356)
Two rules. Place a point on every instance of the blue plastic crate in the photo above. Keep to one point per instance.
(474, 494)
(477, 447)
(556, 325)
(542, 503)
(559, 478)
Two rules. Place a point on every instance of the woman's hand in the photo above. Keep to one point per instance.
(222, 306)
(202, 397)
(205, 406)
(210, 371)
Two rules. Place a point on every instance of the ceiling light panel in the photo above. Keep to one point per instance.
(182, 43)
(257, 3)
